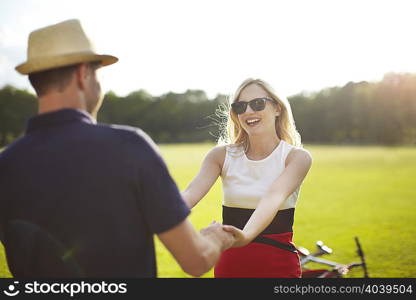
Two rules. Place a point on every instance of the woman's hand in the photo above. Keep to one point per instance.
(241, 239)
(215, 233)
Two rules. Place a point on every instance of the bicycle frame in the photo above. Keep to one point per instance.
(338, 270)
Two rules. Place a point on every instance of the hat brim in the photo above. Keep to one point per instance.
(48, 63)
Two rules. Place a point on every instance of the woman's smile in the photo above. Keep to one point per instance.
(252, 121)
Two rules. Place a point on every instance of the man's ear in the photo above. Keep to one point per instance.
(81, 74)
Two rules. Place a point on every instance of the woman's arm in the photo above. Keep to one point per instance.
(298, 164)
(210, 170)
(196, 252)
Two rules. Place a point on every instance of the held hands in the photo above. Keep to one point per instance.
(240, 238)
(229, 236)
(216, 234)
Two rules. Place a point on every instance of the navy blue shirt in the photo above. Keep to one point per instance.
(84, 199)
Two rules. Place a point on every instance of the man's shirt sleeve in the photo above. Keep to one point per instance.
(158, 196)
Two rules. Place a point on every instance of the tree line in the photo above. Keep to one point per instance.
(382, 112)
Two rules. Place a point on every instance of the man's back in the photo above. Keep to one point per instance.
(96, 193)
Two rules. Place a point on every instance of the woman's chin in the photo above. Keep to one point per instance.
(259, 131)
(255, 131)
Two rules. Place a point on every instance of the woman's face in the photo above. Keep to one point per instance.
(258, 122)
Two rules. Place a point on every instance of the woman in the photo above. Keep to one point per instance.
(261, 170)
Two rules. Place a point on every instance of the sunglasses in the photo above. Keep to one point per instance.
(256, 104)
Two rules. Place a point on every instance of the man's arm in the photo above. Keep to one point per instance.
(166, 213)
(196, 252)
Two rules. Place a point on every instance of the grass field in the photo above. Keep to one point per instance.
(367, 192)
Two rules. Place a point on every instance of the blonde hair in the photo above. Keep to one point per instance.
(285, 124)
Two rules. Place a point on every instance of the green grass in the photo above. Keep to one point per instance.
(367, 192)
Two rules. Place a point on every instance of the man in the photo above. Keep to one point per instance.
(84, 199)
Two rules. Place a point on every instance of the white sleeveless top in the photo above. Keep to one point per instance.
(245, 181)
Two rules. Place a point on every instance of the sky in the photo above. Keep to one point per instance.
(175, 45)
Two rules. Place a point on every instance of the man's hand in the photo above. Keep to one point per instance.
(215, 233)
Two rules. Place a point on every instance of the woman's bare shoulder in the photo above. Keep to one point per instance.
(217, 154)
(299, 155)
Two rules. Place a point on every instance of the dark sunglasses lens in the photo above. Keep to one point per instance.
(258, 104)
(239, 107)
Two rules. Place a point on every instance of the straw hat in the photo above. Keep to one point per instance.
(60, 45)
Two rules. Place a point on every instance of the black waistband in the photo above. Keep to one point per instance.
(277, 244)
(238, 217)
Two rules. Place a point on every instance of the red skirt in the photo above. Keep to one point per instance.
(257, 260)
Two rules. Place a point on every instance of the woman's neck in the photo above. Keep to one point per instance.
(261, 146)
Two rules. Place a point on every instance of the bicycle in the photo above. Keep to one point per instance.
(338, 270)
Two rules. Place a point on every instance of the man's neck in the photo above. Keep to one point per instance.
(54, 101)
